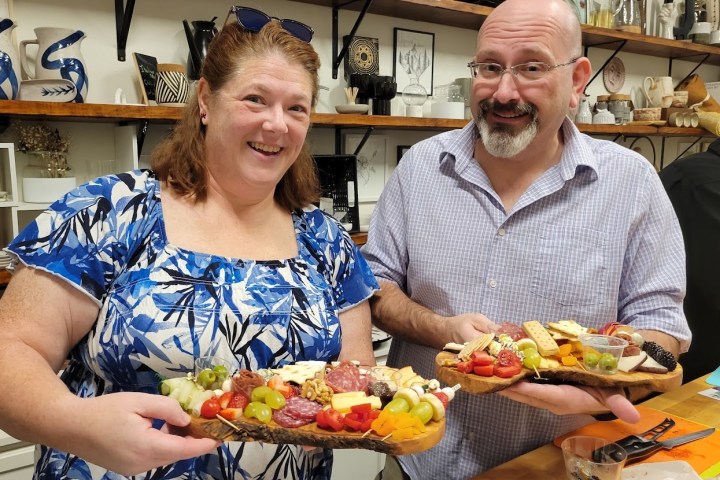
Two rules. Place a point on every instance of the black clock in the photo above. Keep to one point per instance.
(362, 56)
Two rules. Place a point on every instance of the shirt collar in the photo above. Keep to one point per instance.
(576, 153)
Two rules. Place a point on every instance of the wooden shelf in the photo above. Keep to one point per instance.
(452, 13)
(93, 112)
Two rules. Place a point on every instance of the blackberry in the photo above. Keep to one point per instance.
(660, 355)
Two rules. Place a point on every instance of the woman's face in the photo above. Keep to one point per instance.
(256, 125)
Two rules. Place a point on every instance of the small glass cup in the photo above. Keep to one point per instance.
(593, 458)
(212, 370)
(602, 353)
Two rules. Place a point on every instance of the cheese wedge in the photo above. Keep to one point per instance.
(546, 345)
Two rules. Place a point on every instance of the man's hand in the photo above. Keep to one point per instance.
(465, 327)
(568, 400)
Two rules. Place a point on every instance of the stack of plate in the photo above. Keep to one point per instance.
(4, 260)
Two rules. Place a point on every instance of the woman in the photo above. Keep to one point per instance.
(217, 251)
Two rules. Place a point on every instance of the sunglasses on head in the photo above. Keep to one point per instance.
(254, 20)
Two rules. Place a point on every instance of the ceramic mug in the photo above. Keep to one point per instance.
(658, 91)
(172, 85)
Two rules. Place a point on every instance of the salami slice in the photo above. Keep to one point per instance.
(346, 377)
(301, 408)
(288, 421)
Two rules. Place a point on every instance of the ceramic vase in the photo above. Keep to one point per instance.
(9, 63)
(59, 57)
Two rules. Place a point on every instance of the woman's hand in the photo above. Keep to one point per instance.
(115, 431)
(567, 399)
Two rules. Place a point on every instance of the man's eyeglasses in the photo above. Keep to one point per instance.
(526, 72)
(254, 20)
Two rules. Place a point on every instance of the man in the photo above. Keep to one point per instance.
(693, 184)
(515, 217)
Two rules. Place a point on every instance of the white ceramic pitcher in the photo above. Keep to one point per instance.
(58, 57)
(9, 63)
(658, 91)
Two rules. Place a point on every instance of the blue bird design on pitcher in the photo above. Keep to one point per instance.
(7, 70)
(68, 67)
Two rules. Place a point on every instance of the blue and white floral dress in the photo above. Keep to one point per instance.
(162, 306)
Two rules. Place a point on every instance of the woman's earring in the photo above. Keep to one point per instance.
(203, 116)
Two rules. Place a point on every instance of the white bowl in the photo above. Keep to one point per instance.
(352, 108)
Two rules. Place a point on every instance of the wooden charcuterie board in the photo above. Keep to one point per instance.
(311, 435)
(471, 383)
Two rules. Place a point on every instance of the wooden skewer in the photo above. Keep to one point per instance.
(386, 436)
(367, 433)
(536, 372)
(228, 423)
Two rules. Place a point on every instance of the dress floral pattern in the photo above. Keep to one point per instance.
(162, 306)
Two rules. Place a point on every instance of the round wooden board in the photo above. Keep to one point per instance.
(471, 383)
(311, 435)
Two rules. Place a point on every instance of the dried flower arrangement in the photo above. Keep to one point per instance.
(46, 143)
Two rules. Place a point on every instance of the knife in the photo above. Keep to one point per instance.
(640, 450)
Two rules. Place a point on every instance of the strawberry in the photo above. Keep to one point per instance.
(225, 398)
(443, 398)
(231, 413)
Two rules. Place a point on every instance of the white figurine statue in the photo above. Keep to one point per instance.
(667, 15)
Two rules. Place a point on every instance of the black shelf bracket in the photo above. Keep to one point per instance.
(617, 50)
(123, 17)
(338, 57)
(142, 131)
(704, 55)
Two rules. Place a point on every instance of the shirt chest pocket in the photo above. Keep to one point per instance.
(570, 265)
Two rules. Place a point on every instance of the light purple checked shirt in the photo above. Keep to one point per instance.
(594, 239)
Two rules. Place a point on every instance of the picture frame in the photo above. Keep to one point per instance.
(401, 150)
(372, 168)
(413, 58)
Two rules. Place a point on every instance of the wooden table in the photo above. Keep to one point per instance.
(546, 462)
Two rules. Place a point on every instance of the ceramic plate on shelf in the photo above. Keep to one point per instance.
(47, 90)
(614, 75)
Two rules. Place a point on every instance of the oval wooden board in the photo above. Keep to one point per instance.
(471, 383)
(311, 435)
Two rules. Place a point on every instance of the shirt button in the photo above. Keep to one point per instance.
(501, 232)
(493, 283)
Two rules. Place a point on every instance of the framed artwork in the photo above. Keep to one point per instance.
(401, 149)
(413, 54)
(363, 56)
(372, 169)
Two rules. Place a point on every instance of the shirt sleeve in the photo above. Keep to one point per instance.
(349, 275)
(75, 238)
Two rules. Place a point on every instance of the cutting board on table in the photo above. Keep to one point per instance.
(700, 454)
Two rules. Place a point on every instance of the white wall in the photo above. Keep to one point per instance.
(157, 30)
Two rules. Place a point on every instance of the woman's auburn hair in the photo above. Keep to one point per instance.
(179, 159)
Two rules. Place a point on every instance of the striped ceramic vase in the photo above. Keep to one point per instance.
(171, 85)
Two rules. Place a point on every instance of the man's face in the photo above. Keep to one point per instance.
(519, 109)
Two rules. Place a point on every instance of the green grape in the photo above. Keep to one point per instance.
(532, 358)
(263, 413)
(274, 400)
(423, 411)
(397, 405)
(221, 372)
(251, 409)
(206, 378)
(608, 362)
(258, 394)
(591, 359)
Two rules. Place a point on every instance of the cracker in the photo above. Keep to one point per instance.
(569, 328)
(480, 343)
(546, 344)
